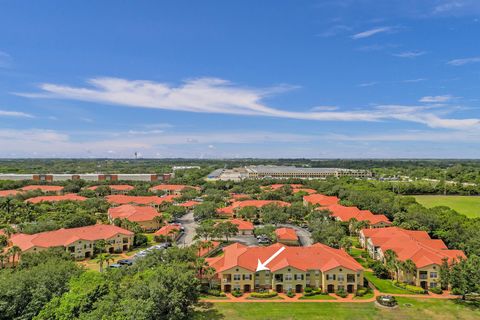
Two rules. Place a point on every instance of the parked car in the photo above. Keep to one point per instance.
(125, 262)
(115, 266)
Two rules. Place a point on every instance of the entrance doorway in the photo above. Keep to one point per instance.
(279, 288)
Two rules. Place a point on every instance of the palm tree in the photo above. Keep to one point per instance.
(3, 258)
(101, 261)
(8, 230)
(410, 269)
(391, 262)
(108, 258)
(14, 252)
(159, 220)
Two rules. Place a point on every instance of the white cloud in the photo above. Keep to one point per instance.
(324, 108)
(414, 80)
(436, 99)
(409, 54)
(211, 95)
(5, 59)
(367, 84)
(7, 113)
(371, 32)
(461, 62)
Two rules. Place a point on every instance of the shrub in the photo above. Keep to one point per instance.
(362, 291)
(237, 293)
(264, 295)
(312, 292)
(308, 289)
(216, 293)
(380, 270)
(408, 287)
(341, 293)
(436, 290)
(457, 292)
(290, 293)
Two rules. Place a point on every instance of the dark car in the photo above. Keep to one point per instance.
(125, 262)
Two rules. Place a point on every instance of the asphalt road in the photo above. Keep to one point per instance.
(189, 226)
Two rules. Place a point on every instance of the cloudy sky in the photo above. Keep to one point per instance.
(226, 79)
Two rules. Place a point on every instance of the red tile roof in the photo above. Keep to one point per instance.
(287, 234)
(189, 204)
(306, 190)
(7, 193)
(239, 196)
(133, 213)
(316, 257)
(116, 187)
(204, 251)
(65, 197)
(249, 203)
(145, 200)
(165, 230)
(414, 245)
(242, 224)
(171, 187)
(343, 213)
(64, 237)
(42, 188)
(320, 199)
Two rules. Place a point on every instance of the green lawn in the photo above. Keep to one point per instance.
(469, 206)
(384, 285)
(409, 308)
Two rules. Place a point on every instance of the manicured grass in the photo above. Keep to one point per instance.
(416, 309)
(318, 297)
(384, 285)
(469, 206)
(210, 297)
(272, 298)
(364, 297)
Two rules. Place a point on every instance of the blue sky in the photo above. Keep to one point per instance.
(226, 79)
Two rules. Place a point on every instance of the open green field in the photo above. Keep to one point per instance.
(469, 206)
(409, 308)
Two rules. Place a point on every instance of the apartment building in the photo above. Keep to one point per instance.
(153, 201)
(65, 197)
(293, 268)
(427, 254)
(51, 177)
(171, 188)
(115, 188)
(320, 200)
(145, 216)
(230, 211)
(244, 227)
(342, 213)
(79, 242)
(296, 188)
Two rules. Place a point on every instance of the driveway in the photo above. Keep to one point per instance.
(189, 225)
(304, 236)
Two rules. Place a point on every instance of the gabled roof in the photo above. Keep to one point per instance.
(116, 187)
(65, 197)
(320, 199)
(168, 229)
(189, 204)
(172, 187)
(7, 193)
(288, 234)
(250, 203)
(316, 257)
(204, 251)
(133, 213)
(242, 224)
(64, 237)
(145, 200)
(343, 213)
(43, 188)
(414, 245)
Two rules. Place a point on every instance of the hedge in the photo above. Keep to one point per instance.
(408, 287)
(263, 295)
(436, 290)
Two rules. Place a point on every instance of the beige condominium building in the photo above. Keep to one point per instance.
(288, 268)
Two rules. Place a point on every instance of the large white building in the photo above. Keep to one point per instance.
(86, 176)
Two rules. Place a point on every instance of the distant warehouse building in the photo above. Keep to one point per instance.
(286, 172)
(87, 176)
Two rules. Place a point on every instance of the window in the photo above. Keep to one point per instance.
(330, 277)
(341, 277)
(433, 275)
(350, 278)
(236, 277)
(288, 277)
(341, 288)
(247, 277)
(299, 276)
(433, 285)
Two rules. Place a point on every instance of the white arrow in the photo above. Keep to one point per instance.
(263, 266)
